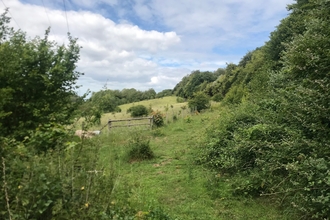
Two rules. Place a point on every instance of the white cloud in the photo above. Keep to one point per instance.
(129, 56)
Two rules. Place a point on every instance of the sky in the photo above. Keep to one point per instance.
(145, 44)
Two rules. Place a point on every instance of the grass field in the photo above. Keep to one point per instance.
(171, 180)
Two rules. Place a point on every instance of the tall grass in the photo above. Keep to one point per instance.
(172, 181)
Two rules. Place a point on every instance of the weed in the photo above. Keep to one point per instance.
(188, 119)
(157, 213)
(158, 133)
(138, 148)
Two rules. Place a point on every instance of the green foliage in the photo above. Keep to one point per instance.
(235, 95)
(223, 83)
(188, 119)
(46, 136)
(276, 142)
(158, 133)
(105, 100)
(180, 100)
(65, 182)
(194, 82)
(108, 100)
(199, 101)
(138, 111)
(291, 26)
(37, 79)
(158, 118)
(138, 148)
(217, 97)
(91, 114)
(165, 92)
(157, 213)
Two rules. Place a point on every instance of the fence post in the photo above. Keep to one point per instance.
(151, 122)
(109, 124)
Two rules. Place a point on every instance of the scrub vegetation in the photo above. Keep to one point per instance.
(249, 141)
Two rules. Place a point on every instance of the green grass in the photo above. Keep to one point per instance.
(172, 180)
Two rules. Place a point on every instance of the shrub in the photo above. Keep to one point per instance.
(200, 101)
(157, 133)
(158, 118)
(117, 109)
(138, 111)
(57, 183)
(180, 100)
(271, 159)
(217, 97)
(157, 213)
(187, 119)
(138, 148)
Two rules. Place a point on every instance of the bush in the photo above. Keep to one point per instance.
(158, 118)
(180, 100)
(57, 183)
(188, 119)
(270, 159)
(138, 111)
(138, 148)
(200, 101)
(158, 133)
(217, 97)
(117, 109)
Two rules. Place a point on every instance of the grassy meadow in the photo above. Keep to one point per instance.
(172, 181)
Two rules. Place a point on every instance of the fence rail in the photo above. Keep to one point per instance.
(113, 123)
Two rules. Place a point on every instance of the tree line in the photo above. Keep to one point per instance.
(273, 136)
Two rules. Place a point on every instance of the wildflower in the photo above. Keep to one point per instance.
(19, 187)
(86, 205)
(82, 188)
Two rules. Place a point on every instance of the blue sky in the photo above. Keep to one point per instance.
(146, 44)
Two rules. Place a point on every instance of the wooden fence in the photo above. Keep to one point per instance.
(130, 122)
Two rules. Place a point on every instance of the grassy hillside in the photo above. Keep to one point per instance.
(172, 181)
(160, 104)
(156, 104)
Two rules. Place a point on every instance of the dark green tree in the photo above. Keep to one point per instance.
(199, 101)
(138, 111)
(37, 80)
(194, 82)
(148, 94)
(165, 92)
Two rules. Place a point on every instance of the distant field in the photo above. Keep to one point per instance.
(160, 104)
(156, 104)
(169, 103)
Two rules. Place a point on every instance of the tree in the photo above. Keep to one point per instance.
(149, 94)
(138, 111)
(200, 101)
(105, 100)
(165, 92)
(195, 82)
(277, 139)
(37, 80)
(289, 27)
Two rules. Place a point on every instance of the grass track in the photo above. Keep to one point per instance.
(172, 180)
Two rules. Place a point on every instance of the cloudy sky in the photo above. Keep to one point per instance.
(146, 44)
